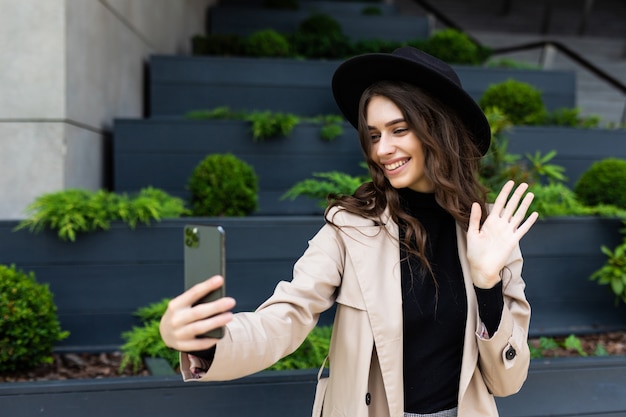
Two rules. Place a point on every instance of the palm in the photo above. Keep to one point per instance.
(489, 246)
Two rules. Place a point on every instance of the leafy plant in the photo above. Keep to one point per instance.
(75, 211)
(324, 186)
(29, 326)
(218, 44)
(603, 183)
(310, 354)
(372, 11)
(331, 126)
(556, 199)
(572, 118)
(266, 125)
(223, 185)
(320, 36)
(219, 113)
(571, 343)
(267, 43)
(613, 272)
(519, 101)
(145, 341)
(542, 168)
(453, 47)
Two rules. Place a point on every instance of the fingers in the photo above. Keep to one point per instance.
(475, 216)
(193, 294)
(183, 320)
(502, 197)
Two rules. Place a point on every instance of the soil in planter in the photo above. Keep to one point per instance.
(106, 365)
(77, 366)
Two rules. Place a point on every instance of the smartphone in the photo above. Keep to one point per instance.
(205, 256)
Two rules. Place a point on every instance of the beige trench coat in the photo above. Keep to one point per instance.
(359, 268)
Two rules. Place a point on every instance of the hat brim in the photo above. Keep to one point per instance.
(353, 76)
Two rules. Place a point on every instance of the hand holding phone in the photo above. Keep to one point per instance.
(204, 257)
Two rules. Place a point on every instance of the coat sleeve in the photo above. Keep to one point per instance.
(256, 340)
(504, 358)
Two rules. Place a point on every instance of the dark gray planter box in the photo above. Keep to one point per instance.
(179, 84)
(322, 6)
(576, 149)
(163, 153)
(594, 387)
(559, 256)
(102, 278)
(245, 21)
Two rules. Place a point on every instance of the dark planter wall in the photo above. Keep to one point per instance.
(577, 149)
(245, 21)
(102, 278)
(179, 84)
(322, 6)
(164, 153)
(594, 387)
(559, 256)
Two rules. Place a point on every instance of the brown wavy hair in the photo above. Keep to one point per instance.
(451, 163)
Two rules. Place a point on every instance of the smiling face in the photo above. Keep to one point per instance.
(395, 147)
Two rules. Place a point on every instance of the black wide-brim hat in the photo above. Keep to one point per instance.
(416, 67)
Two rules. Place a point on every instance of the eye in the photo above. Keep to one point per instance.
(400, 131)
(375, 137)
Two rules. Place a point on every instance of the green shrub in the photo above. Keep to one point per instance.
(519, 101)
(145, 341)
(320, 36)
(371, 11)
(223, 185)
(603, 183)
(314, 46)
(366, 46)
(281, 4)
(75, 211)
(29, 326)
(320, 24)
(310, 354)
(267, 43)
(218, 44)
(571, 118)
(453, 47)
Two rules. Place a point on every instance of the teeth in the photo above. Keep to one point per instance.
(395, 165)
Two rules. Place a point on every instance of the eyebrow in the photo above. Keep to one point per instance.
(390, 123)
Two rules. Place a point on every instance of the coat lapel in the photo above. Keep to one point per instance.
(375, 254)
(470, 350)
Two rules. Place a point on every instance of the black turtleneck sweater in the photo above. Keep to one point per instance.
(435, 310)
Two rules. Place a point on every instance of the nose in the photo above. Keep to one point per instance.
(385, 145)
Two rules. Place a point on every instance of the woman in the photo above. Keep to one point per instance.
(431, 314)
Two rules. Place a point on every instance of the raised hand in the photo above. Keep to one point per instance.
(182, 321)
(489, 246)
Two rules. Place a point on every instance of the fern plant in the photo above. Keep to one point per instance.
(325, 186)
(145, 341)
(74, 211)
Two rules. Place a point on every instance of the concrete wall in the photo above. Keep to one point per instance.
(68, 68)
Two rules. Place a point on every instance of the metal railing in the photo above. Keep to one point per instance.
(547, 51)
